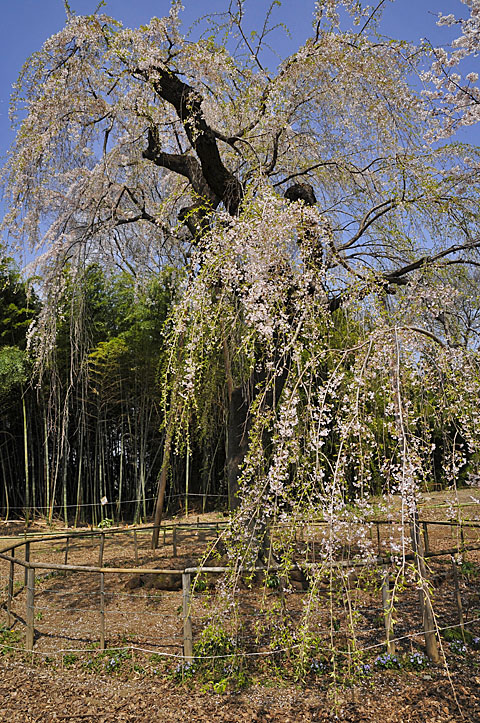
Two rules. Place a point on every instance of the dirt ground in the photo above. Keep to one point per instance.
(33, 694)
(68, 678)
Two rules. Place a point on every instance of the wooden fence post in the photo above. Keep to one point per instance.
(426, 541)
(30, 614)
(462, 537)
(11, 578)
(388, 612)
(135, 543)
(102, 611)
(100, 552)
(27, 559)
(66, 552)
(379, 546)
(187, 618)
(174, 540)
(424, 599)
(458, 597)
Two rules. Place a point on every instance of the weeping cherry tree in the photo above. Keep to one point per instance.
(326, 330)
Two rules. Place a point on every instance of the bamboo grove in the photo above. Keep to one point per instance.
(87, 425)
(90, 422)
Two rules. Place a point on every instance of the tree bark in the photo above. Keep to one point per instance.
(237, 442)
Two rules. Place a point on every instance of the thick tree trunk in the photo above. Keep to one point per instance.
(162, 485)
(237, 442)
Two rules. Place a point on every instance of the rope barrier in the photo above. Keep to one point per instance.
(259, 653)
(112, 502)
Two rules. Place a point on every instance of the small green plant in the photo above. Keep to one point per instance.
(457, 634)
(319, 666)
(108, 661)
(156, 658)
(200, 583)
(69, 659)
(416, 661)
(458, 647)
(216, 661)
(105, 523)
(52, 574)
(214, 643)
(387, 661)
(272, 581)
(364, 670)
(9, 639)
(469, 569)
(39, 616)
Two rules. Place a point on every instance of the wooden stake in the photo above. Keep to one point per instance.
(388, 612)
(100, 552)
(462, 537)
(426, 541)
(66, 551)
(27, 559)
(135, 542)
(378, 539)
(424, 600)
(458, 597)
(30, 614)
(187, 618)
(102, 611)
(11, 578)
(164, 535)
(174, 540)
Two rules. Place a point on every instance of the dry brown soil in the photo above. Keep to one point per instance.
(59, 682)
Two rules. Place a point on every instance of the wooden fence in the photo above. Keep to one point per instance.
(421, 553)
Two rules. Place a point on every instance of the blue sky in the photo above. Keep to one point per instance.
(27, 23)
